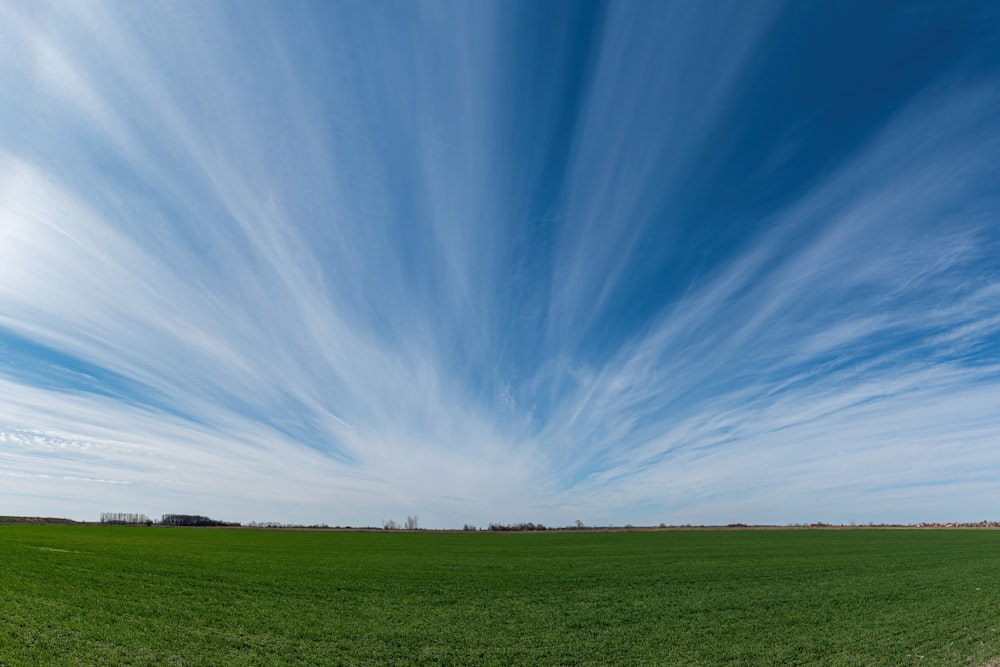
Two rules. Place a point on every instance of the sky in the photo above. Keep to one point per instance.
(627, 263)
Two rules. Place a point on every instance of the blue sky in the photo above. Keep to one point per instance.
(681, 262)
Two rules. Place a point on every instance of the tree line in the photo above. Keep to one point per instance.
(125, 519)
(135, 519)
(192, 520)
(525, 526)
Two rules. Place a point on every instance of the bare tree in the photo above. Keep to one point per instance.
(124, 518)
(389, 524)
(412, 522)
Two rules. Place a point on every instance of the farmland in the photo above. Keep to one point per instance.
(96, 595)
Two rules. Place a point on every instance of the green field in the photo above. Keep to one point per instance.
(90, 595)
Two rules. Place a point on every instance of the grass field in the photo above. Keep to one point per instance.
(90, 595)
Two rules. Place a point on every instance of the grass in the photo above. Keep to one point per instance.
(92, 595)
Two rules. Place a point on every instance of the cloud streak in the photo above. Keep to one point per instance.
(337, 264)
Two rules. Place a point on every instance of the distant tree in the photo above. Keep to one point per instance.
(192, 520)
(522, 526)
(124, 519)
(412, 522)
(389, 524)
(469, 527)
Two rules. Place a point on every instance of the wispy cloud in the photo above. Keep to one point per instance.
(340, 263)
